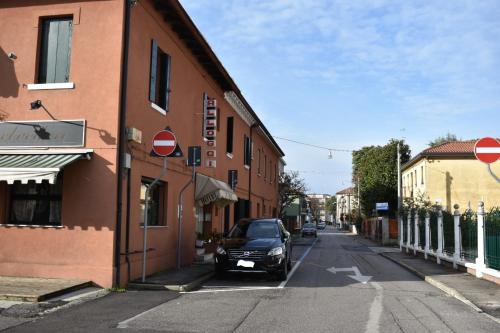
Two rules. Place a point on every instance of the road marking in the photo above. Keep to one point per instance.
(124, 324)
(357, 274)
(297, 264)
(372, 326)
(227, 289)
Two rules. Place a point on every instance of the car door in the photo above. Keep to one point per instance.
(286, 236)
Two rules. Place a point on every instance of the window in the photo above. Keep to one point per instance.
(36, 204)
(258, 209)
(270, 172)
(248, 150)
(159, 85)
(422, 175)
(156, 204)
(265, 166)
(229, 138)
(55, 50)
(416, 178)
(258, 161)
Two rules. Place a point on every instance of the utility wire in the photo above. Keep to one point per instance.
(315, 146)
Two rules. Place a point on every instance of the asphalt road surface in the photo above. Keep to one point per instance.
(337, 285)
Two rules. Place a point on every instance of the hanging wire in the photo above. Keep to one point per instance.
(315, 146)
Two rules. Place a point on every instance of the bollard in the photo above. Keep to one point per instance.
(456, 224)
(480, 265)
(408, 233)
(427, 234)
(439, 252)
(416, 233)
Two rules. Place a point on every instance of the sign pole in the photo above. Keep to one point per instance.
(146, 208)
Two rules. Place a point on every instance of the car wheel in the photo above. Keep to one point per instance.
(219, 271)
(282, 274)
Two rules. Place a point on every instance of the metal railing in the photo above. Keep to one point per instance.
(468, 231)
(492, 238)
(448, 234)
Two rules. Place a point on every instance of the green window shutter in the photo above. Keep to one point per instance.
(55, 50)
(154, 61)
(167, 80)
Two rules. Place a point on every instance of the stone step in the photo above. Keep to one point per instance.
(204, 258)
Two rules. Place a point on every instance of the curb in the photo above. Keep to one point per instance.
(172, 287)
(448, 290)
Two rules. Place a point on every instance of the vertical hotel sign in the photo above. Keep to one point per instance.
(210, 130)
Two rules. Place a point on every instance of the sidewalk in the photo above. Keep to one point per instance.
(36, 289)
(185, 279)
(481, 295)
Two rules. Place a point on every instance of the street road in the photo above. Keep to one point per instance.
(337, 285)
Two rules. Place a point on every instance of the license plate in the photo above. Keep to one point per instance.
(245, 263)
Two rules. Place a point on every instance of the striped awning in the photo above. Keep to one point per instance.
(210, 190)
(37, 165)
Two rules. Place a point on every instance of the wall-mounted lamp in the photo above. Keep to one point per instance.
(12, 55)
(330, 155)
(36, 104)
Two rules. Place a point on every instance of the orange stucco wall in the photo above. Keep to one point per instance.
(83, 247)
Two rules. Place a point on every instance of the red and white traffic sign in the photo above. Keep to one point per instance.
(487, 150)
(164, 143)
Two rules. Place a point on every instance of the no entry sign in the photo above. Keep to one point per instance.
(487, 150)
(164, 143)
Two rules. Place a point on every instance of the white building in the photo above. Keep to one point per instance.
(346, 202)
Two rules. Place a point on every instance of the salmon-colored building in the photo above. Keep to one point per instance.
(84, 87)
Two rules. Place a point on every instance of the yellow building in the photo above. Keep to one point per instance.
(450, 174)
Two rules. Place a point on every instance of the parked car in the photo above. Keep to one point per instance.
(321, 225)
(309, 229)
(255, 245)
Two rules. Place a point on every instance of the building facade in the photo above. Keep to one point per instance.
(346, 202)
(450, 174)
(79, 109)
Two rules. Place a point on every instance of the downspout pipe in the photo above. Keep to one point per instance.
(250, 171)
(121, 141)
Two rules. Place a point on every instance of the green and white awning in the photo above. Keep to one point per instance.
(210, 190)
(37, 165)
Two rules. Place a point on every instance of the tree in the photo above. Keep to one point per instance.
(290, 187)
(443, 139)
(331, 205)
(376, 169)
(315, 207)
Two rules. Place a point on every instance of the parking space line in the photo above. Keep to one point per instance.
(205, 291)
(297, 264)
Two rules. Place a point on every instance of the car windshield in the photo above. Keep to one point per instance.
(309, 225)
(254, 229)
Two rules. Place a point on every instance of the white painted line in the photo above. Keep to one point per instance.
(124, 324)
(297, 264)
(373, 324)
(168, 143)
(227, 289)
(487, 150)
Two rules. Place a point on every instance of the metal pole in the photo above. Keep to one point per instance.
(398, 217)
(145, 231)
(179, 213)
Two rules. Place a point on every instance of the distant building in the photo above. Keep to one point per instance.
(450, 174)
(323, 215)
(346, 202)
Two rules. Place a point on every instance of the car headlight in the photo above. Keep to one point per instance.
(276, 251)
(220, 250)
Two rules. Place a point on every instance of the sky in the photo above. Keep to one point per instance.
(346, 74)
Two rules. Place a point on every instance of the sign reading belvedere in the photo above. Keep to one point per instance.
(43, 133)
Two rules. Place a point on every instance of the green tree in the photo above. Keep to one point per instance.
(331, 205)
(290, 187)
(443, 139)
(376, 169)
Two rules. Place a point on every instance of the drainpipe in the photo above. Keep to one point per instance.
(121, 141)
(250, 171)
